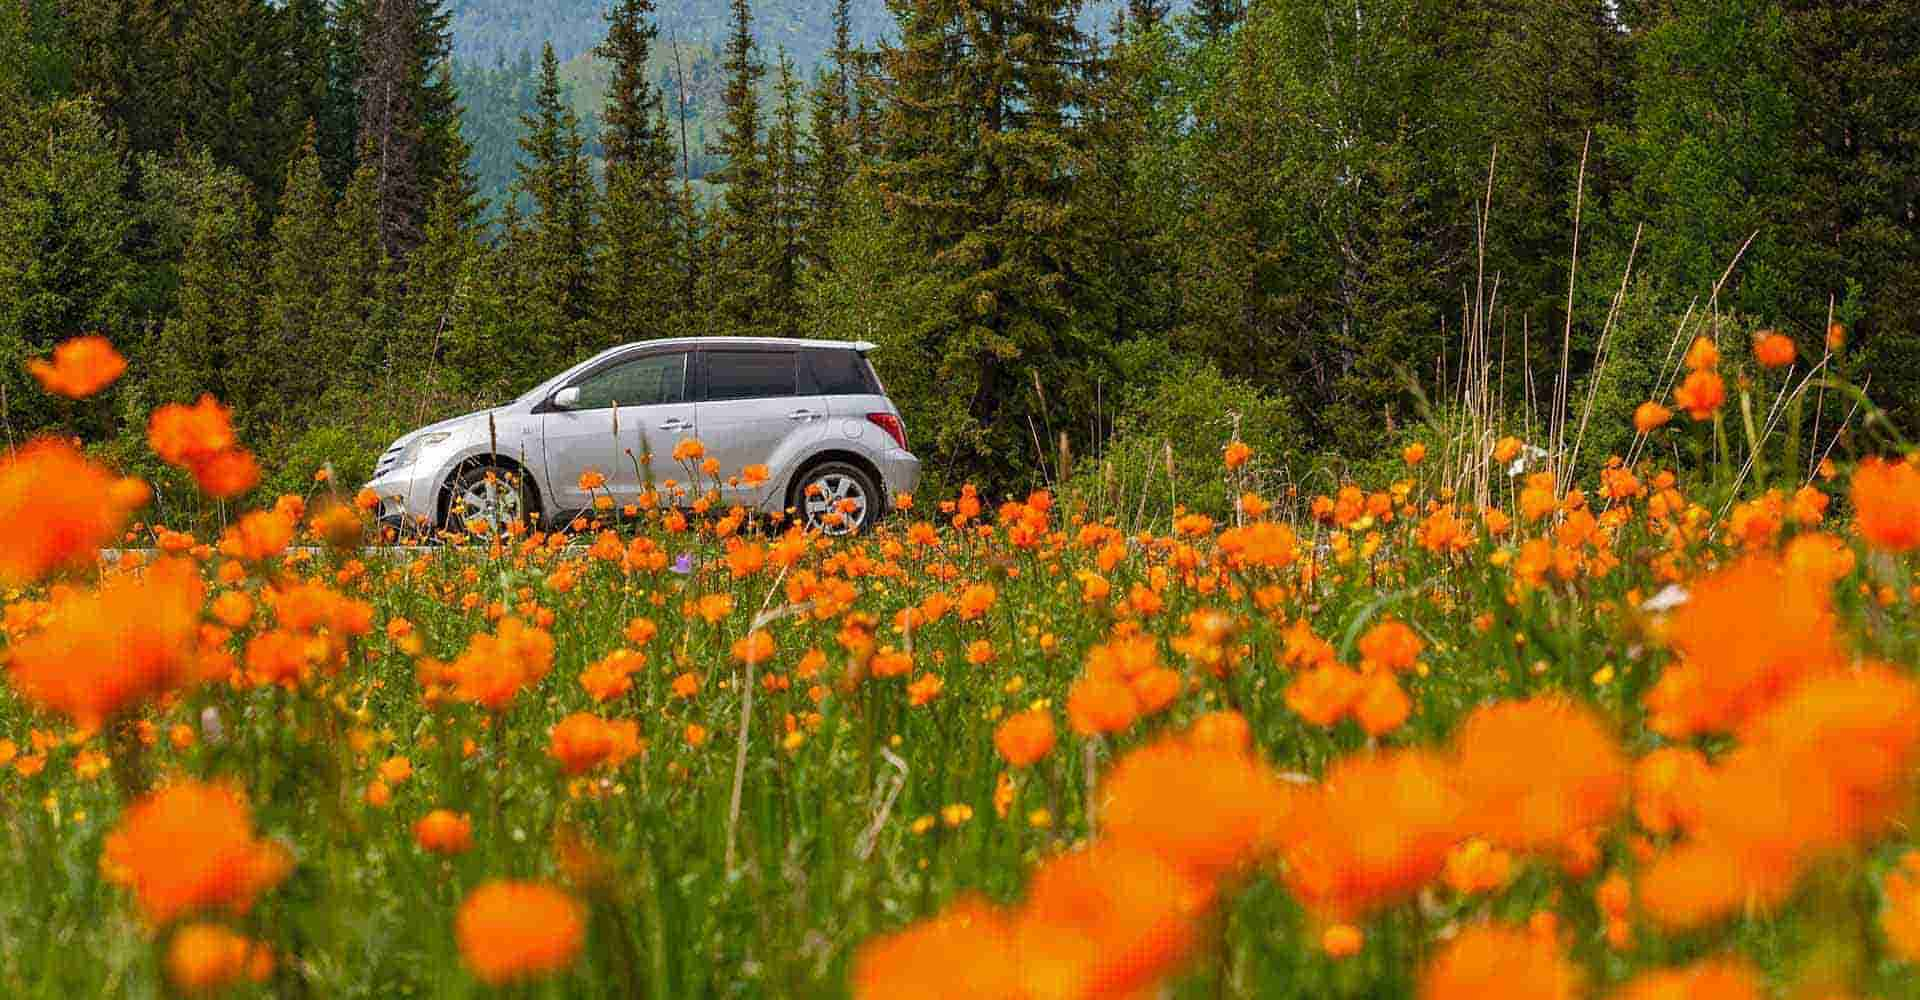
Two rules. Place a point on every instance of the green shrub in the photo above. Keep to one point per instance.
(1183, 413)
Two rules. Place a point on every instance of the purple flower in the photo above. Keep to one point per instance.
(684, 564)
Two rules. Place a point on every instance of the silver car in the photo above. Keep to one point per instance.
(811, 412)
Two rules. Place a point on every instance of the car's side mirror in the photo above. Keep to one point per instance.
(567, 399)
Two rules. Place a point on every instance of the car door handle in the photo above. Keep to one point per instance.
(676, 424)
(799, 415)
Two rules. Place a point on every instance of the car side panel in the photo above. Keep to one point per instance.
(576, 441)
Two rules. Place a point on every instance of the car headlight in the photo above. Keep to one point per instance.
(420, 444)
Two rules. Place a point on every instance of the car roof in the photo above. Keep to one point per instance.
(862, 346)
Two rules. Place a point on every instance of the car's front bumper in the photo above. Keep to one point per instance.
(406, 496)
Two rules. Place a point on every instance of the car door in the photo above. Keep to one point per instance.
(750, 413)
(620, 414)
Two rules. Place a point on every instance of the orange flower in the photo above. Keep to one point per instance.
(1702, 355)
(975, 601)
(1373, 832)
(1231, 806)
(612, 675)
(81, 367)
(1714, 978)
(1521, 798)
(1491, 961)
(965, 951)
(1324, 695)
(1650, 416)
(103, 653)
(1392, 645)
(1836, 337)
(1224, 729)
(1025, 738)
(1414, 453)
(1106, 922)
(259, 535)
(226, 474)
(1667, 785)
(1886, 504)
(1100, 704)
(583, 741)
(1382, 705)
(190, 846)
(689, 450)
(1342, 941)
(182, 435)
(444, 831)
(1237, 454)
(1701, 394)
(57, 509)
(1773, 349)
(395, 770)
(924, 689)
(233, 608)
(495, 667)
(1900, 920)
(1728, 670)
(755, 647)
(515, 931)
(1827, 767)
(1477, 866)
(207, 958)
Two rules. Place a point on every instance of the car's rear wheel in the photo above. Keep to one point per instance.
(489, 495)
(838, 498)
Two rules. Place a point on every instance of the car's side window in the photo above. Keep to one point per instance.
(837, 372)
(648, 381)
(750, 374)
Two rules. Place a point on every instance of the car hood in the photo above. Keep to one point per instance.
(460, 422)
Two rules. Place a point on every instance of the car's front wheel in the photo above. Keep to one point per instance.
(838, 498)
(487, 495)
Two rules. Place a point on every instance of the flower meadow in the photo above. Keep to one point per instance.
(1607, 739)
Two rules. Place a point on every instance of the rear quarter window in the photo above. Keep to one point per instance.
(834, 372)
(750, 374)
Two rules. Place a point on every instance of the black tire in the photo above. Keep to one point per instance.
(838, 481)
(467, 490)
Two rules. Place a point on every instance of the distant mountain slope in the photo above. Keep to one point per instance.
(487, 30)
(496, 45)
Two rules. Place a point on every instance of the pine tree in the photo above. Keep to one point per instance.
(1708, 152)
(1132, 281)
(1147, 14)
(494, 319)
(354, 345)
(628, 132)
(640, 286)
(390, 128)
(743, 242)
(982, 170)
(788, 217)
(240, 90)
(201, 347)
(1854, 71)
(557, 242)
(367, 33)
(1215, 18)
(439, 288)
(1547, 75)
(830, 135)
(290, 361)
(64, 234)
